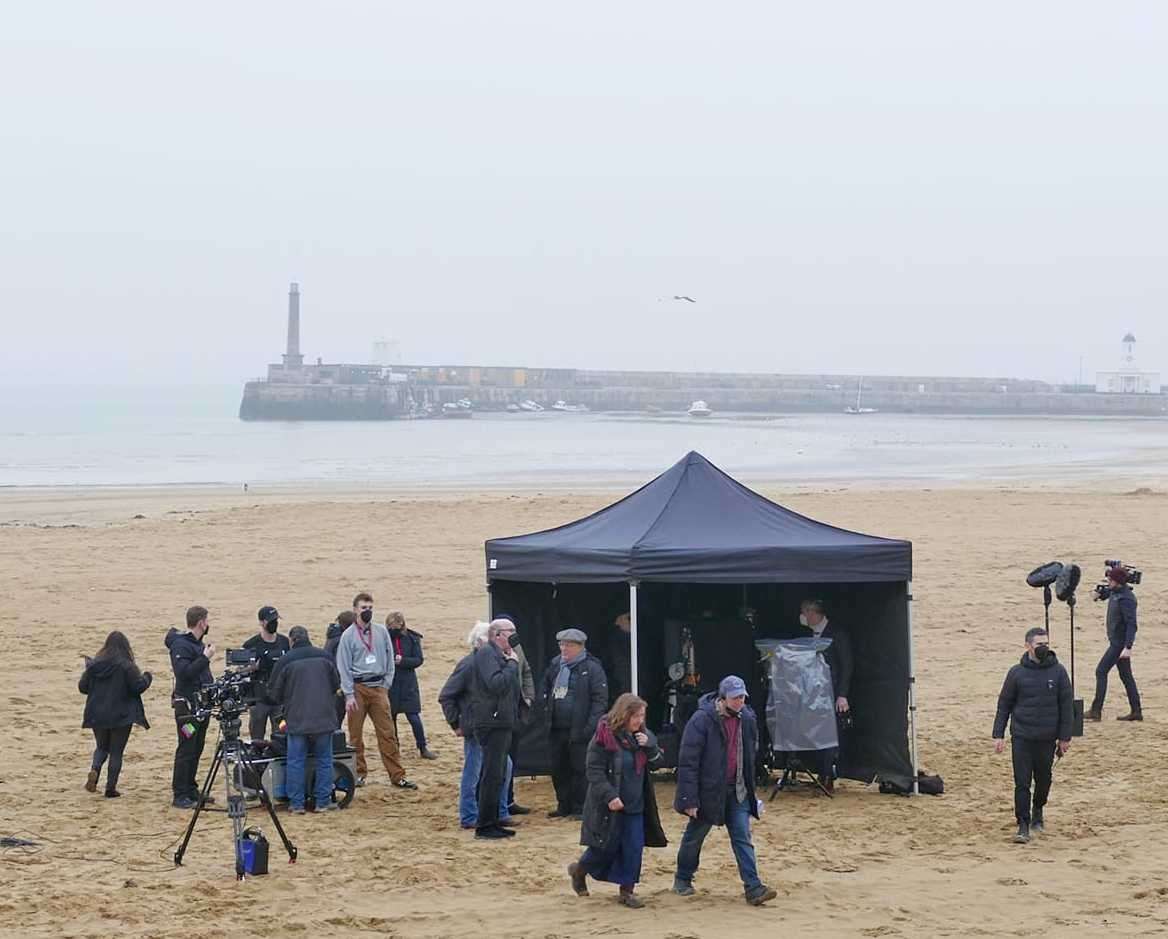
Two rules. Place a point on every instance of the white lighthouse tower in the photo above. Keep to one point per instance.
(1128, 379)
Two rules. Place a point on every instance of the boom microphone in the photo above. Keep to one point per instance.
(1046, 575)
(1067, 581)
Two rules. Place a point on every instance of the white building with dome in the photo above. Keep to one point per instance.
(1127, 379)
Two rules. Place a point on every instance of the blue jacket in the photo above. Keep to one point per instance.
(702, 761)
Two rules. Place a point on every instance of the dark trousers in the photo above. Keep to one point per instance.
(1033, 759)
(1111, 659)
(493, 776)
(110, 744)
(258, 717)
(186, 757)
(415, 720)
(568, 777)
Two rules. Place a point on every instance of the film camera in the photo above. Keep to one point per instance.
(233, 692)
(1103, 590)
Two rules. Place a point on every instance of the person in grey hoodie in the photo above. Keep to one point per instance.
(365, 665)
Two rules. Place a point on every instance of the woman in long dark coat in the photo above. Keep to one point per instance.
(620, 810)
(404, 696)
(113, 687)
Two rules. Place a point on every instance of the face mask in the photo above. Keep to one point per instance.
(513, 640)
(366, 617)
(803, 620)
(274, 626)
(1042, 653)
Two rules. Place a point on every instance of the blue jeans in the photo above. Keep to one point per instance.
(738, 827)
(468, 800)
(322, 752)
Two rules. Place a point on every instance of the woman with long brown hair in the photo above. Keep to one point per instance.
(113, 687)
(620, 810)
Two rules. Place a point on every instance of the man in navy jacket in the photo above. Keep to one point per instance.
(715, 785)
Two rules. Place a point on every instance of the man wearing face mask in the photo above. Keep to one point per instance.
(190, 660)
(1036, 699)
(365, 663)
(267, 646)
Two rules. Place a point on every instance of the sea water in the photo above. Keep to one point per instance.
(191, 436)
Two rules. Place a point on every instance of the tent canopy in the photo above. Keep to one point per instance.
(695, 523)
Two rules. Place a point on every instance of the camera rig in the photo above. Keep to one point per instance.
(1104, 590)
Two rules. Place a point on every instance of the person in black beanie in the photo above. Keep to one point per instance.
(268, 645)
(113, 688)
(1036, 700)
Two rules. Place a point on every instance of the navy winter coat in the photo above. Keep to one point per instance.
(702, 762)
(1121, 617)
(1036, 697)
(455, 696)
(404, 696)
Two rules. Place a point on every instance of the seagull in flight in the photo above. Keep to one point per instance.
(678, 297)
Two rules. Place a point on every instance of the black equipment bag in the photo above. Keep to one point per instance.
(926, 785)
(253, 846)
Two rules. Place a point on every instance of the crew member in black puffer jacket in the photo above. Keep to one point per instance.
(1036, 699)
(113, 688)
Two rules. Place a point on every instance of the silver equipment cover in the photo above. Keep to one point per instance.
(801, 706)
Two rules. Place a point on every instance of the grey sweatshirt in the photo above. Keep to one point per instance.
(352, 654)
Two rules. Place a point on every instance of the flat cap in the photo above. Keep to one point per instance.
(572, 635)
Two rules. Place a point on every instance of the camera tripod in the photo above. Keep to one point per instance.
(230, 751)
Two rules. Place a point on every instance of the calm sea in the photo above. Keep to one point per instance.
(61, 436)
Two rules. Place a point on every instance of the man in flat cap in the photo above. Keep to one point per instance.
(575, 695)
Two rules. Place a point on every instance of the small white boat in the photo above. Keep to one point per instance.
(465, 404)
(699, 409)
(451, 409)
(859, 397)
(530, 405)
(569, 408)
(514, 408)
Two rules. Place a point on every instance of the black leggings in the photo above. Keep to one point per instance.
(111, 743)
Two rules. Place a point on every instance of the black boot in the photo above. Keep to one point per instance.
(1023, 836)
(1135, 715)
(1036, 825)
(1094, 714)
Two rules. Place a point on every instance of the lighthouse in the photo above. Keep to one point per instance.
(293, 360)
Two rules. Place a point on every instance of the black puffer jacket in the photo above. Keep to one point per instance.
(603, 769)
(1036, 699)
(404, 696)
(113, 691)
(587, 694)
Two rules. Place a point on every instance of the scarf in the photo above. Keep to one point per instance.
(739, 782)
(612, 743)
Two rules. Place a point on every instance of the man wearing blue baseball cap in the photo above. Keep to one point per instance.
(715, 785)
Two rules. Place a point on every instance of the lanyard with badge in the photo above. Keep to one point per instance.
(370, 658)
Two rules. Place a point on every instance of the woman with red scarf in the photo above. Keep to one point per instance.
(620, 810)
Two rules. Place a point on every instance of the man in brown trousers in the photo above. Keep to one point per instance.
(365, 663)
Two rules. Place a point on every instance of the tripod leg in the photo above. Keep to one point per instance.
(207, 783)
(267, 803)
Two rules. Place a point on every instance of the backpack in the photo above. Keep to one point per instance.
(926, 785)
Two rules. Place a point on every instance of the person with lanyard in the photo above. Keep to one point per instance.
(365, 664)
(575, 692)
(404, 696)
(267, 646)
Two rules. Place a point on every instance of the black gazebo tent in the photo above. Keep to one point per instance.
(696, 539)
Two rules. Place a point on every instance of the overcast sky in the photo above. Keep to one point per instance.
(860, 187)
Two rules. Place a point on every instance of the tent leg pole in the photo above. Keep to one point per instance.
(633, 635)
(912, 694)
(490, 603)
